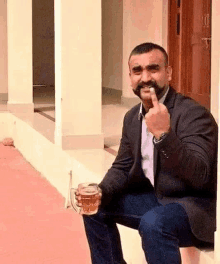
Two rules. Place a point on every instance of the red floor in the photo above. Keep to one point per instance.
(35, 228)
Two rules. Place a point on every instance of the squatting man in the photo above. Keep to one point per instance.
(163, 180)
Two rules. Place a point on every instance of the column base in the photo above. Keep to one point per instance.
(20, 108)
(83, 142)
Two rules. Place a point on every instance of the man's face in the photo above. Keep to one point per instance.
(149, 70)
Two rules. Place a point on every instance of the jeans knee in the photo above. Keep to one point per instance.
(148, 223)
(153, 222)
(160, 220)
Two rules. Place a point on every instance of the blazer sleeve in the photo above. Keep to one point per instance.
(190, 149)
(116, 179)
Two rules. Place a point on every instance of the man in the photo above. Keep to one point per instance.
(163, 180)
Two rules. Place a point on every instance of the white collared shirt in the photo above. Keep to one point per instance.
(147, 147)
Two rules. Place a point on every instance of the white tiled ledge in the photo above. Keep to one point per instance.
(194, 255)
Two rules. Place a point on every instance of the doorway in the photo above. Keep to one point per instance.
(43, 42)
(43, 58)
(189, 48)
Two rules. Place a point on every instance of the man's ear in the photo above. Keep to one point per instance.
(169, 73)
(130, 83)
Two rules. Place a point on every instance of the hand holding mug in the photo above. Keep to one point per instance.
(88, 198)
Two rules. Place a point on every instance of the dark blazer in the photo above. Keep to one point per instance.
(185, 163)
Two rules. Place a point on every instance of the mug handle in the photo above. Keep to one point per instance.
(72, 201)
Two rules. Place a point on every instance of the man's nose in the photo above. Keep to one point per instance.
(145, 76)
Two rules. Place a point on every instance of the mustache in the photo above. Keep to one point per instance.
(145, 84)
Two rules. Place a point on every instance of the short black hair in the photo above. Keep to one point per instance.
(147, 47)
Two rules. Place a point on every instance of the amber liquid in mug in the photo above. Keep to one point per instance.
(89, 199)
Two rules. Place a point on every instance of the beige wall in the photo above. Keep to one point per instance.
(125, 24)
(112, 11)
(3, 48)
(143, 21)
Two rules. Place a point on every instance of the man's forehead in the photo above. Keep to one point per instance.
(152, 57)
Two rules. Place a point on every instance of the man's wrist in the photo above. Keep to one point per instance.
(161, 137)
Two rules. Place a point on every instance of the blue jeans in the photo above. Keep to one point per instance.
(163, 229)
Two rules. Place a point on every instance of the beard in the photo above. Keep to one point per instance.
(159, 90)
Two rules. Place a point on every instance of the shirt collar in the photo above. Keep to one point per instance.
(142, 110)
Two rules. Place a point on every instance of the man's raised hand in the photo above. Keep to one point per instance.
(158, 118)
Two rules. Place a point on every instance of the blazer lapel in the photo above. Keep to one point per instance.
(138, 128)
(170, 99)
(136, 125)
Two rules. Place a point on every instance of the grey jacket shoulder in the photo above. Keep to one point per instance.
(133, 111)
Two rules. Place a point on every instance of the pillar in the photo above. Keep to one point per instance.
(78, 74)
(215, 58)
(19, 27)
(3, 52)
(215, 109)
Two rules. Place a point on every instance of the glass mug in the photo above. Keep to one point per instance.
(89, 197)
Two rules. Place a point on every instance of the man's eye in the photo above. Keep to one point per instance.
(137, 72)
(153, 68)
